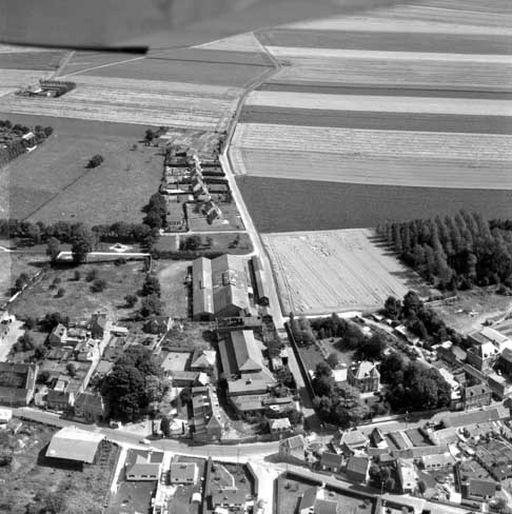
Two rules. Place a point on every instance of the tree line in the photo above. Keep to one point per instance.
(455, 252)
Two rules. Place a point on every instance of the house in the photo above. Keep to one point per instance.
(59, 400)
(90, 407)
(307, 501)
(327, 507)
(58, 335)
(143, 469)
(406, 475)
(480, 489)
(357, 469)
(378, 439)
(231, 499)
(204, 361)
(279, 425)
(72, 444)
(5, 416)
(87, 350)
(220, 288)
(486, 347)
(246, 386)
(476, 396)
(349, 441)
(293, 447)
(17, 383)
(260, 281)
(331, 462)
(206, 414)
(365, 376)
(313, 502)
(98, 325)
(183, 473)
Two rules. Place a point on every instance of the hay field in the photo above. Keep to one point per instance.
(240, 43)
(334, 271)
(147, 102)
(12, 79)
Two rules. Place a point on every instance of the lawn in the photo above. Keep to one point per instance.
(231, 219)
(238, 243)
(30, 474)
(190, 335)
(11, 266)
(175, 291)
(52, 183)
(78, 302)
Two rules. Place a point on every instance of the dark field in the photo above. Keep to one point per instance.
(378, 121)
(327, 88)
(195, 72)
(31, 60)
(388, 41)
(281, 205)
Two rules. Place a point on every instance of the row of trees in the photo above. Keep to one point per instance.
(455, 252)
(413, 385)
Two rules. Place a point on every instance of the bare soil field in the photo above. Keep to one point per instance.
(420, 122)
(473, 308)
(175, 292)
(52, 182)
(325, 272)
(146, 102)
(280, 205)
(389, 41)
(360, 168)
(78, 300)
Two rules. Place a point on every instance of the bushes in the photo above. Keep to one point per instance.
(95, 161)
(98, 285)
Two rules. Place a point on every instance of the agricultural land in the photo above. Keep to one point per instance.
(323, 272)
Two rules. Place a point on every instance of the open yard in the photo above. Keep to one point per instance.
(52, 183)
(137, 101)
(11, 266)
(325, 272)
(78, 301)
(31, 476)
(175, 291)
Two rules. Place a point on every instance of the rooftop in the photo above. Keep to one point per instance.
(71, 443)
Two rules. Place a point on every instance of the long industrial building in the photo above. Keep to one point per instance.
(220, 288)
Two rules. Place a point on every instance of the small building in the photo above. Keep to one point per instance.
(58, 335)
(406, 475)
(72, 444)
(231, 499)
(293, 447)
(60, 400)
(260, 281)
(204, 361)
(279, 425)
(476, 396)
(439, 461)
(331, 462)
(183, 473)
(206, 414)
(365, 376)
(143, 470)
(358, 469)
(485, 350)
(17, 383)
(481, 489)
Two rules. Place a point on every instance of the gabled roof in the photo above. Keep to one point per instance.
(308, 498)
(331, 459)
(481, 487)
(71, 443)
(148, 469)
(326, 507)
(293, 443)
(203, 359)
(365, 369)
(358, 465)
(247, 353)
(202, 292)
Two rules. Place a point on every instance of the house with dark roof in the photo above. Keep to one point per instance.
(476, 396)
(293, 447)
(331, 462)
(486, 347)
(365, 376)
(59, 400)
(260, 281)
(58, 335)
(480, 489)
(357, 469)
(307, 501)
(98, 325)
(17, 383)
(206, 414)
(144, 469)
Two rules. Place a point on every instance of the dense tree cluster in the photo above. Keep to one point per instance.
(419, 319)
(413, 385)
(95, 161)
(156, 211)
(14, 144)
(135, 382)
(455, 252)
(381, 476)
(339, 405)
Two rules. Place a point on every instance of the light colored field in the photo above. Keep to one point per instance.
(376, 170)
(10, 49)
(388, 23)
(14, 79)
(144, 102)
(240, 43)
(390, 143)
(334, 271)
(396, 72)
(400, 104)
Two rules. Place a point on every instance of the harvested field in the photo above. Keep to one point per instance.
(280, 205)
(361, 40)
(375, 103)
(423, 122)
(52, 183)
(81, 61)
(165, 68)
(13, 79)
(373, 169)
(400, 73)
(373, 156)
(240, 43)
(325, 272)
(147, 102)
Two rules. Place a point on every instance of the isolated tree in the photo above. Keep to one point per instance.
(165, 426)
(95, 161)
(22, 280)
(98, 285)
(332, 360)
(151, 285)
(130, 300)
(71, 369)
(53, 248)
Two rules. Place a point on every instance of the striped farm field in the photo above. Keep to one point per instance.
(13, 79)
(147, 102)
(334, 271)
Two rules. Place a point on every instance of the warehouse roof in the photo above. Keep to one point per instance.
(202, 293)
(71, 443)
(247, 353)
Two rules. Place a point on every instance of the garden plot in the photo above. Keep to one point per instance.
(334, 271)
(147, 102)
